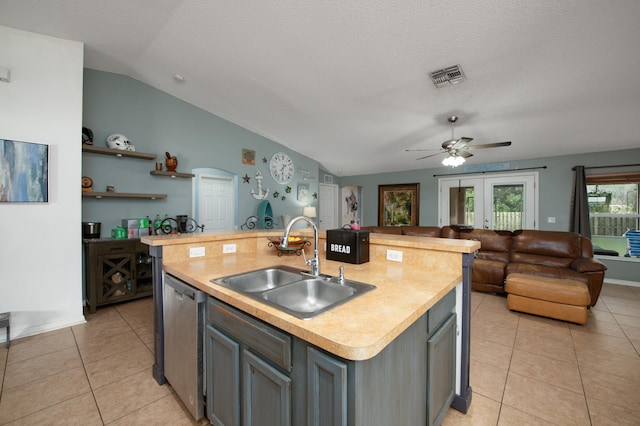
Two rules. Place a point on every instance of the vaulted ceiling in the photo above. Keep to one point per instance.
(347, 82)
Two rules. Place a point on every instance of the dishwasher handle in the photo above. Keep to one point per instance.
(184, 289)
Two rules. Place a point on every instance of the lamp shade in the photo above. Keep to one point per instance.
(309, 211)
(453, 160)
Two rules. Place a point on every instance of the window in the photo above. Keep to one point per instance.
(613, 208)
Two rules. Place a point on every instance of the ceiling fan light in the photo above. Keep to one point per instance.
(453, 160)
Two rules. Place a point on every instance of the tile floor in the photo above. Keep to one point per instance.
(525, 370)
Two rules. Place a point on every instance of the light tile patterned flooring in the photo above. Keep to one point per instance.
(525, 370)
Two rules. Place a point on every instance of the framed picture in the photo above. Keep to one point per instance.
(303, 191)
(24, 172)
(398, 204)
(249, 157)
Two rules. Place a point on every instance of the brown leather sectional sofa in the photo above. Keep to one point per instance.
(553, 254)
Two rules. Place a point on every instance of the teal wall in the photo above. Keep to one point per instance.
(555, 187)
(157, 123)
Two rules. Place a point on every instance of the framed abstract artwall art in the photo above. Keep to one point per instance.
(24, 172)
(398, 204)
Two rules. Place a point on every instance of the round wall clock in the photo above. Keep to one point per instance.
(281, 167)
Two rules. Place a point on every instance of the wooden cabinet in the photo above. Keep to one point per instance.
(266, 396)
(116, 271)
(248, 370)
(223, 378)
(326, 389)
(441, 370)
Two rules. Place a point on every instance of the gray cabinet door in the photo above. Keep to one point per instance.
(326, 390)
(441, 371)
(266, 399)
(223, 379)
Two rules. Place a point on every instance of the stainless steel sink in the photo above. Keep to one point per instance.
(261, 280)
(294, 291)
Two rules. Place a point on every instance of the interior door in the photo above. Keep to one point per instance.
(216, 203)
(328, 206)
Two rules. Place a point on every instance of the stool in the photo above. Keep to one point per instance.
(4, 323)
(563, 299)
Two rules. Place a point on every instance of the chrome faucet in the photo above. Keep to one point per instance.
(313, 262)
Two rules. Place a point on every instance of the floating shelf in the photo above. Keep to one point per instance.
(118, 152)
(91, 194)
(171, 174)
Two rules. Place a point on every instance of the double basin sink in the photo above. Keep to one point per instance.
(293, 290)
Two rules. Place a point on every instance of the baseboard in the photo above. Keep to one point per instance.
(18, 333)
(621, 282)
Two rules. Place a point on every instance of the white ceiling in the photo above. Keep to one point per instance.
(346, 82)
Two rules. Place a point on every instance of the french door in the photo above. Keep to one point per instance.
(506, 202)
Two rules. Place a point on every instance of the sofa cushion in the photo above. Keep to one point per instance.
(396, 230)
(550, 248)
(449, 232)
(494, 245)
(546, 271)
(488, 271)
(570, 292)
(421, 231)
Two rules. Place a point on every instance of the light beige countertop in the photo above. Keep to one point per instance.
(356, 330)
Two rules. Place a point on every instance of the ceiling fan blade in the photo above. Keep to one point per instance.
(461, 143)
(489, 145)
(455, 143)
(416, 150)
(427, 156)
(464, 154)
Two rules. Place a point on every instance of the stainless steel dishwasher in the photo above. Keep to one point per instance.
(183, 333)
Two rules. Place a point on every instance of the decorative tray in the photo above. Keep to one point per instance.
(295, 245)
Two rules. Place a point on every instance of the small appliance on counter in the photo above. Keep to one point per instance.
(91, 230)
(348, 245)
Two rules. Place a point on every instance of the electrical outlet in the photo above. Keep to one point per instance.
(394, 255)
(196, 252)
(229, 248)
(551, 219)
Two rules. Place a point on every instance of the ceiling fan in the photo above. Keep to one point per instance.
(458, 149)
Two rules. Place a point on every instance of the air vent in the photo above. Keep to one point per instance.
(447, 76)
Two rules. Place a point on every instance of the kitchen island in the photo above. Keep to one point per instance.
(360, 332)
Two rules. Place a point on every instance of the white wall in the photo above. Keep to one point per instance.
(41, 243)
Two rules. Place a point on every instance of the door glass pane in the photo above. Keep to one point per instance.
(461, 205)
(508, 207)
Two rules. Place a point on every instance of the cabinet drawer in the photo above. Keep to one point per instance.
(268, 341)
(440, 311)
(115, 247)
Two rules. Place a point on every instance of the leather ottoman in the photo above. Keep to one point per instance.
(562, 299)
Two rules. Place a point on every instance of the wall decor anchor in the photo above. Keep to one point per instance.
(260, 194)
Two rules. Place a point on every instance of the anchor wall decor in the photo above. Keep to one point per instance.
(260, 194)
